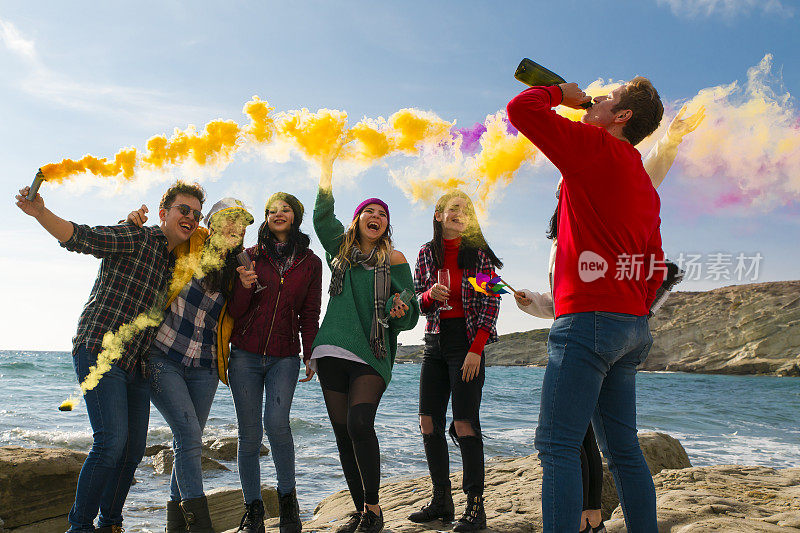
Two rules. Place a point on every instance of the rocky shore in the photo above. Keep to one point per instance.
(689, 499)
(741, 329)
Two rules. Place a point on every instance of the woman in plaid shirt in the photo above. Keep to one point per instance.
(189, 354)
(453, 362)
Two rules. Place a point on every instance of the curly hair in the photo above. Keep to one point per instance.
(182, 187)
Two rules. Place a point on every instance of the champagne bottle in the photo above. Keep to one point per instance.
(533, 74)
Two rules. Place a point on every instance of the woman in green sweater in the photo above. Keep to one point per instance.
(356, 344)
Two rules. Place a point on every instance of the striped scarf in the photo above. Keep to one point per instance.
(382, 288)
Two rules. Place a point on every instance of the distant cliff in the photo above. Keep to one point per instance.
(741, 329)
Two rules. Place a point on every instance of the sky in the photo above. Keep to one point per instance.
(81, 78)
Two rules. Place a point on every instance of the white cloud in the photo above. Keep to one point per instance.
(15, 42)
(727, 8)
(136, 105)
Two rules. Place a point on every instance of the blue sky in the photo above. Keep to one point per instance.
(81, 78)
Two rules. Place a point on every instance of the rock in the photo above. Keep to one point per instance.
(227, 506)
(513, 493)
(163, 460)
(155, 448)
(37, 484)
(741, 329)
(724, 498)
(661, 451)
(225, 448)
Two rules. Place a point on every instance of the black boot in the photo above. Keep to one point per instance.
(370, 522)
(253, 519)
(441, 507)
(351, 525)
(290, 513)
(474, 517)
(176, 522)
(195, 511)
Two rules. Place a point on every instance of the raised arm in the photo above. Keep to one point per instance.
(99, 241)
(328, 228)
(660, 158)
(561, 140)
(56, 226)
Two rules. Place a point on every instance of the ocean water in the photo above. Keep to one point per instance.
(718, 419)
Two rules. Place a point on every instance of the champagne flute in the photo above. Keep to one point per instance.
(444, 279)
(244, 260)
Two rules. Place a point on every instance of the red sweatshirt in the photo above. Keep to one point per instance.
(451, 247)
(608, 213)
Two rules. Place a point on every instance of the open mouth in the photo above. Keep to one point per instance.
(374, 226)
(186, 226)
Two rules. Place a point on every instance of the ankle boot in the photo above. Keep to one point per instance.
(176, 522)
(195, 511)
(441, 507)
(474, 517)
(253, 519)
(370, 522)
(289, 513)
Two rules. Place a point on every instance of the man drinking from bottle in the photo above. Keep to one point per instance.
(608, 211)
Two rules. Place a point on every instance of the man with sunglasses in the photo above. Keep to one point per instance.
(134, 272)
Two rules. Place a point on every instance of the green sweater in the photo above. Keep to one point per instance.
(348, 319)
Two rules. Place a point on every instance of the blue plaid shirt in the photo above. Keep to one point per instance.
(188, 334)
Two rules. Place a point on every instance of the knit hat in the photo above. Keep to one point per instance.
(368, 201)
(293, 202)
(227, 204)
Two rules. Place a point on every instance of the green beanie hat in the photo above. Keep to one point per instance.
(293, 202)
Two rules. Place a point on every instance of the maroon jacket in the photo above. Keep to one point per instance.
(270, 321)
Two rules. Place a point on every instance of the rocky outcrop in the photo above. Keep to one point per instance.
(513, 493)
(225, 448)
(741, 329)
(37, 484)
(724, 498)
(163, 461)
(226, 506)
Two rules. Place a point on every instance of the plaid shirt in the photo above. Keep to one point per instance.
(188, 334)
(480, 310)
(133, 272)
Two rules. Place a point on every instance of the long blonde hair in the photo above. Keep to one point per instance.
(383, 246)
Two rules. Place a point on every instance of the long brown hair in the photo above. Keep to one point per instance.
(472, 239)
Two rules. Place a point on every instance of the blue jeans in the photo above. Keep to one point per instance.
(183, 395)
(591, 376)
(252, 377)
(119, 412)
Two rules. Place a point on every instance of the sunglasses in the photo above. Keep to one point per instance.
(185, 210)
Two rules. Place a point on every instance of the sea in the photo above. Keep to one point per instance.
(752, 420)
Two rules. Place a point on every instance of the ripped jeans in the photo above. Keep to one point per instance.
(183, 395)
(440, 378)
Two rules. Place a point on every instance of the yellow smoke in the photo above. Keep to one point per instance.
(313, 134)
(751, 142)
(750, 147)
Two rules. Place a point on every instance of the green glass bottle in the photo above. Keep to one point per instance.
(533, 74)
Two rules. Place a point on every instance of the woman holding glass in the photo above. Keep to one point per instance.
(460, 323)
(357, 341)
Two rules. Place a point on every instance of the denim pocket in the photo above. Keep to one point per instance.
(614, 333)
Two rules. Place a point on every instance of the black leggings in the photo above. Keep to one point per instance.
(440, 378)
(352, 392)
(591, 472)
